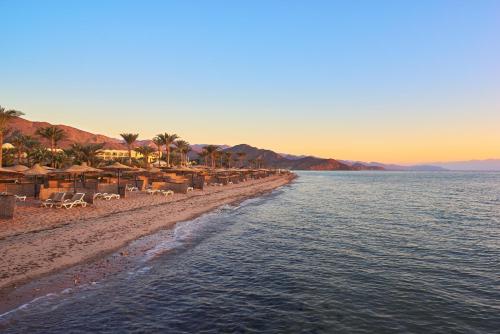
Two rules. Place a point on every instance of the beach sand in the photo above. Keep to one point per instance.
(43, 241)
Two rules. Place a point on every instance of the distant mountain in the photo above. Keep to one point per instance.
(393, 167)
(471, 165)
(199, 147)
(416, 168)
(73, 135)
(294, 157)
(277, 160)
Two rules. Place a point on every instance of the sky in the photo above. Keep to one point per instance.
(390, 81)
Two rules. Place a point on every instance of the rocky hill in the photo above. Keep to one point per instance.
(268, 157)
(74, 135)
(273, 159)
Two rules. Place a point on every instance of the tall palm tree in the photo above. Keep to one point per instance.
(5, 117)
(159, 141)
(241, 157)
(219, 156)
(203, 157)
(183, 148)
(130, 139)
(251, 162)
(259, 162)
(227, 157)
(146, 152)
(169, 140)
(212, 153)
(54, 135)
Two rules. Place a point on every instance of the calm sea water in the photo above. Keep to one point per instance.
(364, 252)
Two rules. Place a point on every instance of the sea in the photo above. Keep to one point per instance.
(332, 252)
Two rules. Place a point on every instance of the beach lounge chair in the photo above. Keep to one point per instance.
(109, 197)
(20, 198)
(166, 193)
(128, 187)
(76, 200)
(54, 198)
(150, 191)
(98, 196)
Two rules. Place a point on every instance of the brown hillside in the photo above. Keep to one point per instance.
(74, 135)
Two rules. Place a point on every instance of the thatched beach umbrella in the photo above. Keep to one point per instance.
(36, 171)
(7, 173)
(154, 170)
(18, 168)
(118, 168)
(10, 173)
(80, 170)
(135, 171)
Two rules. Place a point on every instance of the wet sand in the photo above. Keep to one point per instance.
(39, 242)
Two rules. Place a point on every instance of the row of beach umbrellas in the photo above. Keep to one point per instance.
(37, 170)
(74, 170)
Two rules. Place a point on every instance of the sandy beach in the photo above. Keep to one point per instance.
(42, 241)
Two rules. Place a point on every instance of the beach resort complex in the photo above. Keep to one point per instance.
(264, 166)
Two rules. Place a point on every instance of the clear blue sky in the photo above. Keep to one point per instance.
(400, 81)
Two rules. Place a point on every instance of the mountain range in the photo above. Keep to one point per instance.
(269, 158)
(277, 160)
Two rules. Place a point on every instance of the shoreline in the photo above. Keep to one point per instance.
(79, 251)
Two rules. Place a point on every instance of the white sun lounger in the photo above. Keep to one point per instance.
(54, 199)
(109, 197)
(166, 193)
(76, 200)
(152, 191)
(98, 196)
(131, 188)
(20, 198)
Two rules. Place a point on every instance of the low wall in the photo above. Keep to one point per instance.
(21, 189)
(175, 187)
(89, 193)
(111, 188)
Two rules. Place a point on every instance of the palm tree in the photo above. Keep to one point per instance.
(212, 152)
(203, 157)
(130, 139)
(54, 135)
(183, 148)
(88, 153)
(38, 155)
(259, 162)
(22, 143)
(159, 141)
(241, 157)
(251, 162)
(146, 152)
(60, 159)
(8, 156)
(169, 140)
(227, 157)
(5, 117)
